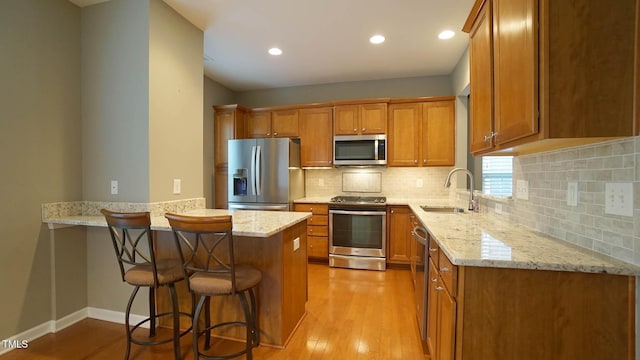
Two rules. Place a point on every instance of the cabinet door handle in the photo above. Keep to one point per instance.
(434, 280)
(275, 134)
(268, 134)
(444, 269)
(487, 138)
(433, 250)
(439, 288)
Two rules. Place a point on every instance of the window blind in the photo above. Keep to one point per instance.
(497, 175)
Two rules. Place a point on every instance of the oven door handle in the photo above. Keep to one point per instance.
(350, 212)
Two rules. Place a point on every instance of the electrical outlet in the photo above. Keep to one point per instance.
(114, 187)
(498, 208)
(177, 186)
(618, 198)
(419, 183)
(572, 193)
(296, 244)
(522, 189)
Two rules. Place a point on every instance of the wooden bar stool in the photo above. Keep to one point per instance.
(133, 243)
(205, 245)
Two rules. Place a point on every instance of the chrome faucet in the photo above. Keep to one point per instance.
(447, 184)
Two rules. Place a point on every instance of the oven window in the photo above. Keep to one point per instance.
(358, 231)
(355, 150)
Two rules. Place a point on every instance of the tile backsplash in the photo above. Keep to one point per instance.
(586, 224)
(394, 182)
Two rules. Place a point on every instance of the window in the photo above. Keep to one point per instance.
(497, 175)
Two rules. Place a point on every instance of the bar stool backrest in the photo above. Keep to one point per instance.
(132, 240)
(205, 244)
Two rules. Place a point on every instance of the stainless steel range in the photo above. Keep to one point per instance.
(357, 232)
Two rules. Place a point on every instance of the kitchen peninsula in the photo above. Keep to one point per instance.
(273, 242)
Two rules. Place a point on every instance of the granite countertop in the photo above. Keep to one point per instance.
(480, 239)
(245, 222)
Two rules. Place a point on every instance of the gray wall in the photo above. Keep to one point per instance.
(115, 101)
(41, 162)
(396, 88)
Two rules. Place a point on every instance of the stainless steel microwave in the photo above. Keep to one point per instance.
(360, 150)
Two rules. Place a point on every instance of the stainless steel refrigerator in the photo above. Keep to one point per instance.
(265, 174)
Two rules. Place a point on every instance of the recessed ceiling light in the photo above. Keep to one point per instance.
(447, 34)
(275, 51)
(376, 39)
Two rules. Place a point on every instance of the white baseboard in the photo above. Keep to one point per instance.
(115, 316)
(54, 326)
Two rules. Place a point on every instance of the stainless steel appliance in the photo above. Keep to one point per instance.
(357, 232)
(264, 174)
(360, 150)
(422, 277)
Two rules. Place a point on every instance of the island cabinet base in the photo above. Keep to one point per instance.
(553, 315)
(281, 295)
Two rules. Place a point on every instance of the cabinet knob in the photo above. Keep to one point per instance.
(364, 129)
(434, 280)
(275, 134)
(444, 269)
(439, 288)
(415, 161)
(487, 138)
(268, 134)
(392, 211)
(355, 130)
(311, 246)
(424, 161)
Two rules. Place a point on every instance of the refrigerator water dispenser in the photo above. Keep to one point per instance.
(240, 182)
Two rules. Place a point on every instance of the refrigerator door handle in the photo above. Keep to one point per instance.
(259, 171)
(253, 170)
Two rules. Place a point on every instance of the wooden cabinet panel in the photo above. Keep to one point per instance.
(345, 119)
(399, 234)
(404, 128)
(221, 192)
(360, 119)
(432, 311)
(481, 81)
(316, 140)
(515, 54)
(318, 247)
(259, 124)
(373, 118)
(317, 229)
(228, 123)
(446, 325)
(555, 80)
(438, 133)
(284, 123)
(422, 134)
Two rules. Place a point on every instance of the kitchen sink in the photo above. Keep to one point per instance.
(443, 209)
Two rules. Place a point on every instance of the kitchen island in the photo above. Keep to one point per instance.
(273, 242)
(497, 290)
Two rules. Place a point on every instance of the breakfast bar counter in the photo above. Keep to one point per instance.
(273, 242)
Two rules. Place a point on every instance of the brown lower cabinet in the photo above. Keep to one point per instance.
(317, 230)
(399, 237)
(487, 313)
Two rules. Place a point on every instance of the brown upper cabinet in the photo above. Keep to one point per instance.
(555, 80)
(316, 141)
(228, 123)
(359, 119)
(276, 123)
(422, 133)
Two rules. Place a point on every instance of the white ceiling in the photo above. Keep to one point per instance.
(323, 41)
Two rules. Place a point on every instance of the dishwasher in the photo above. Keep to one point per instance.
(421, 289)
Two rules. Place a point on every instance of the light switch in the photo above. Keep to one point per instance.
(618, 198)
(522, 189)
(177, 186)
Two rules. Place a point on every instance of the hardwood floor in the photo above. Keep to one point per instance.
(351, 314)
